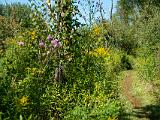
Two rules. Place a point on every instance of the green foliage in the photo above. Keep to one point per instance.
(129, 11)
(56, 68)
(102, 112)
(42, 81)
(148, 39)
(13, 19)
(17, 12)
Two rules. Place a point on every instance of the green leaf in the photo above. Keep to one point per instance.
(30, 117)
(20, 117)
(1, 115)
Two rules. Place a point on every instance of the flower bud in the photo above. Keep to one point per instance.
(49, 38)
(42, 44)
(20, 43)
(56, 43)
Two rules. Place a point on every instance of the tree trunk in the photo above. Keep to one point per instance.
(111, 12)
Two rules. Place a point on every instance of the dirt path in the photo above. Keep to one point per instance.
(138, 108)
(127, 86)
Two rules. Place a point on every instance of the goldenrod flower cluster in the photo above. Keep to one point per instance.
(24, 101)
(33, 35)
(11, 41)
(34, 71)
(96, 30)
(112, 118)
(101, 52)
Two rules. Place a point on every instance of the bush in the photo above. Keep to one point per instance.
(55, 72)
(29, 88)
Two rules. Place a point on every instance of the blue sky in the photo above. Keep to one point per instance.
(106, 5)
(11, 1)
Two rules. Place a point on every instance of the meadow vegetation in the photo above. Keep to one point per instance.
(53, 67)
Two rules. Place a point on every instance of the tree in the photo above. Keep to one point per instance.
(130, 9)
(111, 12)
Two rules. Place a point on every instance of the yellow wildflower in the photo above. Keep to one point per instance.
(101, 51)
(33, 35)
(40, 71)
(24, 101)
(66, 42)
(12, 41)
(96, 30)
(112, 118)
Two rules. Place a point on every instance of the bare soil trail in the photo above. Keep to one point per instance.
(138, 109)
(127, 86)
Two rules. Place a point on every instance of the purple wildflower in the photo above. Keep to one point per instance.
(49, 38)
(56, 43)
(42, 44)
(20, 43)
